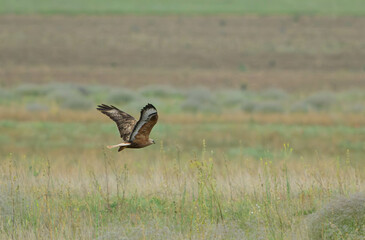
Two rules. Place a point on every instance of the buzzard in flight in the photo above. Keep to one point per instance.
(135, 134)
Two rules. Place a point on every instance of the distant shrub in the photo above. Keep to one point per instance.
(84, 90)
(97, 89)
(30, 90)
(242, 68)
(6, 94)
(352, 95)
(122, 96)
(356, 108)
(200, 99)
(201, 94)
(193, 105)
(321, 100)
(36, 107)
(274, 93)
(343, 218)
(80, 89)
(263, 107)
(300, 107)
(160, 91)
(248, 106)
(232, 97)
(243, 86)
(269, 107)
(70, 99)
(77, 103)
(62, 94)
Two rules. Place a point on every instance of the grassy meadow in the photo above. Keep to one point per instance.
(228, 164)
(261, 131)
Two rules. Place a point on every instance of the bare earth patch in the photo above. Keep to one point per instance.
(296, 53)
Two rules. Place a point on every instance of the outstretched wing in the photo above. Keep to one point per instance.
(142, 129)
(124, 121)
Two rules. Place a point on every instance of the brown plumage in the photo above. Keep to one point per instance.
(134, 134)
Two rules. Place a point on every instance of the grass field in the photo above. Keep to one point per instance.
(231, 171)
(335, 7)
(261, 131)
(58, 181)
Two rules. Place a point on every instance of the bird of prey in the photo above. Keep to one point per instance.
(134, 134)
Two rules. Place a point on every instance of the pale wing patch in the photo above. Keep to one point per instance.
(146, 116)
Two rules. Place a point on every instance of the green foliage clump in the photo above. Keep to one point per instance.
(269, 107)
(233, 97)
(274, 93)
(263, 107)
(248, 106)
(6, 95)
(343, 218)
(200, 100)
(300, 106)
(36, 107)
(30, 90)
(61, 95)
(60, 92)
(356, 108)
(321, 100)
(69, 97)
(77, 102)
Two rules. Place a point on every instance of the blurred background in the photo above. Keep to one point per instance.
(243, 80)
(289, 66)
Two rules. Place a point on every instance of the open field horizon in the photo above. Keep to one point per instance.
(294, 53)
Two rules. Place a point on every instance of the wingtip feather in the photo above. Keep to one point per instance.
(104, 107)
(148, 106)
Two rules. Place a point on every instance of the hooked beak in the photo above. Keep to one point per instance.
(153, 141)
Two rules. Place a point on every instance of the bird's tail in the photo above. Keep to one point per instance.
(121, 145)
(121, 148)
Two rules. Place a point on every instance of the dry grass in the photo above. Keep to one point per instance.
(58, 181)
(139, 197)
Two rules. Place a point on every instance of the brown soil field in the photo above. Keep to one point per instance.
(301, 53)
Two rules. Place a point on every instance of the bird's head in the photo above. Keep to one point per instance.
(151, 141)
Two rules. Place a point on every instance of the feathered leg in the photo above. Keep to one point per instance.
(119, 145)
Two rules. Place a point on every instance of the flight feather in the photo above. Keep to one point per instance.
(124, 121)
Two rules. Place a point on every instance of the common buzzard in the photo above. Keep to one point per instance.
(135, 134)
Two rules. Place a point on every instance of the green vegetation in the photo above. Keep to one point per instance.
(341, 218)
(192, 100)
(245, 139)
(222, 167)
(151, 195)
(350, 7)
